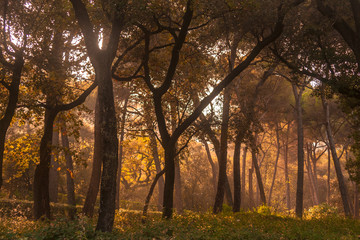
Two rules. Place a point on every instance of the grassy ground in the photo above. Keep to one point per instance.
(262, 224)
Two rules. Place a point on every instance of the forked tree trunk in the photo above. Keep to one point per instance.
(300, 173)
(222, 178)
(212, 164)
(94, 184)
(155, 154)
(70, 185)
(54, 168)
(257, 172)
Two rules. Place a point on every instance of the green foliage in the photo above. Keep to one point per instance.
(321, 211)
(190, 225)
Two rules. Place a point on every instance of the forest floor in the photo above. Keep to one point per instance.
(262, 224)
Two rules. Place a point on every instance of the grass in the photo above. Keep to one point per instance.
(263, 224)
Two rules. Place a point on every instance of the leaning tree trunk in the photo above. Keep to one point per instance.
(300, 174)
(257, 172)
(70, 186)
(339, 175)
(11, 107)
(94, 184)
(109, 142)
(328, 194)
(212, 164)
(41, 177)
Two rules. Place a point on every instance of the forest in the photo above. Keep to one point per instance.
(182, 119)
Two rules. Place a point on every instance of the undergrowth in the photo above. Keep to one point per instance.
(264, 223)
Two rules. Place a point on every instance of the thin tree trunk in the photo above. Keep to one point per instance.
(148, 197)
(328, 176)
(276, 162)
(307, 164)
(300, 173)
(311, 176)
(340, 177)
(236, 171)
(155, 154)
(286, 168)
(94, 184)
(212, 164)
(356, 201)
(243, 176)
(70, 185)
(251, 191)
(121, 140)
(54, 168)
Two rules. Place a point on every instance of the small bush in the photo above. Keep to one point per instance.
(321, 211)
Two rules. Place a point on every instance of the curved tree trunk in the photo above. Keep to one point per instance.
(257, 172)
(339, 175)
(212, 164)
(11, 106)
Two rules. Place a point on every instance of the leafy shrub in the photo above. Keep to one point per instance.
(321, 211)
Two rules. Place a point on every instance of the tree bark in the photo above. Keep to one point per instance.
(41, 177)
(300, 173)
(170, 152)
(109, 151)
(356, 200)
(276, 162)
(339, 175)
(94, 184)
(70, 186)
(54, 166)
